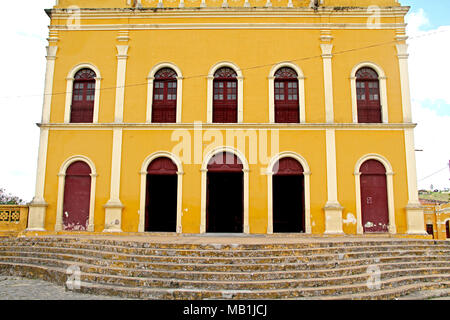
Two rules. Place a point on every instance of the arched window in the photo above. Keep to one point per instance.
(164, 108)
(83, 97)
(368, 96)
(225, 96)
(286, 96)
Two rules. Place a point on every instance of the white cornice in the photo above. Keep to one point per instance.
(172, 126)
(221, 26)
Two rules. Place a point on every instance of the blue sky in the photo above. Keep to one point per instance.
(436, 10)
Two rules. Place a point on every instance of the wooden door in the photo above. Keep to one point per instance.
(374, 202)
(286, 101)
(368, 96)
(164, 107)
(225, 96)
(77, 197)
(83, 96)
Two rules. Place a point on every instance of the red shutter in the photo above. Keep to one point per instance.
(162, 166)
(286, 96)
(225, 96)
(225, 162)
(368, 96)
(164, 107)
(288, 167)
(83, 96)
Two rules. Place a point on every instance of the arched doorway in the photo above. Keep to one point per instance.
(225, 194)
(161, 196)
(288, 196)
(77, 197)
(447, 229)
(368, 96)
(374, 201)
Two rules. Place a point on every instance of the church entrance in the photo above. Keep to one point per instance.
(225, 194)
(161, 197)
(288, 197)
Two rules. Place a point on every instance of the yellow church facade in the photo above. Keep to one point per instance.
(208, 116)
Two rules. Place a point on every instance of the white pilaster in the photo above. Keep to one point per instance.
(38, 206)
(402, 53)
(114, 207)
(328, 81)
(333, 210)
(414, 211)
(120, 83)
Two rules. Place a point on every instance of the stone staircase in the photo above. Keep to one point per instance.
(308, 269)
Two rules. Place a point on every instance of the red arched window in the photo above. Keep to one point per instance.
(83, 96)
(225, 96)
(368, 96)
(286, 96)
(164, 107)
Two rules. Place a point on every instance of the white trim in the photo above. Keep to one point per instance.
(122, 56)
(69, 90)
(390, 191)
(383, 90)
(150, 79)
(301, 90)
(143, 187)
(61, 185)
(402, 50)
(240, 80)
(307, 188)
(204, 170)
(327, 56)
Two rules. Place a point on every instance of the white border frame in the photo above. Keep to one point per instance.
(204, 171)
(69, 89)
(61, 186)
(240, 80)
(143, 188)
(383, 90)
(150, 80)
(307, 188)
(301, 90)
(390, 191)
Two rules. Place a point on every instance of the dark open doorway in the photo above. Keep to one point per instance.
(161, 197)
(288, 197)
(225, 194)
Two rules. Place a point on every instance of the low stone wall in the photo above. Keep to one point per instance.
(13, 218)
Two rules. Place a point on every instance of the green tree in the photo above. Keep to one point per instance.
(7, 198)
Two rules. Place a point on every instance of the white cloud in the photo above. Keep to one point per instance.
(22, 75)
(429, 67)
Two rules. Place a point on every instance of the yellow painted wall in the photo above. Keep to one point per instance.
(255, 51)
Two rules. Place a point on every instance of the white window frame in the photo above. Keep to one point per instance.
(69, 89)
(150, 81)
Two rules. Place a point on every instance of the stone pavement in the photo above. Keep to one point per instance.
(16, 288)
